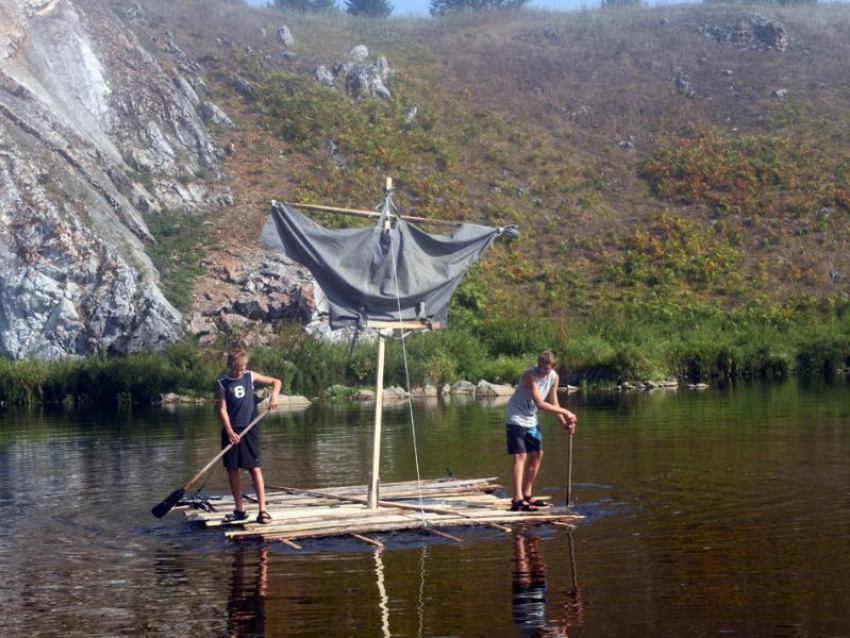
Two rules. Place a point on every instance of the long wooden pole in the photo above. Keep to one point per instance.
(374, 479)
(569, 469)
(353, 212)
(172, 499)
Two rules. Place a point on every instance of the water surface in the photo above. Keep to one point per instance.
(716, 513)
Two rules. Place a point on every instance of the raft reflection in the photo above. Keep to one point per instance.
(529, 589)
(246, 607)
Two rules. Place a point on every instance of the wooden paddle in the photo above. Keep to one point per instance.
(172, 499)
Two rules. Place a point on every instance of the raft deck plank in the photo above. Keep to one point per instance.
(319, 513)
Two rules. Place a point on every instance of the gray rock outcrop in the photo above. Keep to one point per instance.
(751, 31)
(93, 135)
(359, 78)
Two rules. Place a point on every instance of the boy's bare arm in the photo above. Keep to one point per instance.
(554, 408)
(568, 419)
(272, 381)
(225, 417)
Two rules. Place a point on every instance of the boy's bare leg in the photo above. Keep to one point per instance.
(531, 469)
(235, 488)
(259, 487)
(518, 473)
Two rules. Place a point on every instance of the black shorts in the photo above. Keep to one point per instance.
(521, 440)
(245, 454)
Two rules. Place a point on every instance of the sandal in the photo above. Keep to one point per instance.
(536, 502)
(264, 518)
(522, 506)
(235, 517)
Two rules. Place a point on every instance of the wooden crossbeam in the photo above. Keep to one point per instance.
(353, 212)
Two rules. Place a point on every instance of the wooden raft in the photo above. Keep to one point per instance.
(342, 511)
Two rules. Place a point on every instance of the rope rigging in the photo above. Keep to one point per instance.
(385, 212)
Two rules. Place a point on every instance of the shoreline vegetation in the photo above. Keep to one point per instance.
(694, 345)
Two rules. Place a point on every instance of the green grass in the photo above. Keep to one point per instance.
(180, 245)
(648, 342)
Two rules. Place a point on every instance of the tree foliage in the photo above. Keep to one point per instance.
(369, 8)
(307, 6)
(445, 7)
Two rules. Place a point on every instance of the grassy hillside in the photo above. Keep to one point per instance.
(670, 185)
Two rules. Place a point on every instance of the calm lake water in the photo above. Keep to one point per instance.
(724, 512)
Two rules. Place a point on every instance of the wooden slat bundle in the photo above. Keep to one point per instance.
(341, 511)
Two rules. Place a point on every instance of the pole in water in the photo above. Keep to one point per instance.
(569, 469)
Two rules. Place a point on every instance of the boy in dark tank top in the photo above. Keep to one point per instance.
(235, 394)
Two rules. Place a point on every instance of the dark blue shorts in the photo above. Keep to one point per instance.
(522, 440)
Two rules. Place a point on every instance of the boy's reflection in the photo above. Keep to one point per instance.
(529, 592)
(246, 608)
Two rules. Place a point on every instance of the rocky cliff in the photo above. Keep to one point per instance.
(94, 135)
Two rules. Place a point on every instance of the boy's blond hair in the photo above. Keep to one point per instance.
(547, 358)
(239, 356)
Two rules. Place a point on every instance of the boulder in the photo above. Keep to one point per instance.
(426, 392)
(363, 395)
(285, 36)
(365, 80)
(242, 86)
(485, 389)
(359, 53)
(463, 387)
(211, 113)
(324, 76)
(395, 393)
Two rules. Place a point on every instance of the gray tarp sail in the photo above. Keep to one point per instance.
(354, 266)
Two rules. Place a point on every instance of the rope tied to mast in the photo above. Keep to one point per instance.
(387, 209)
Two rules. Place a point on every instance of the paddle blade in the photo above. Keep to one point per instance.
(170, 501)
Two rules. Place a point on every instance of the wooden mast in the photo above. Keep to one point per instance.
(373, 497)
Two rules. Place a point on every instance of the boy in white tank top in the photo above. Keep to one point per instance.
(536, 390)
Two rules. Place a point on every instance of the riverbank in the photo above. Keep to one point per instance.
(692, 345)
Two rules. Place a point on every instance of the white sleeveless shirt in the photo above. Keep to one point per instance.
(521, 409)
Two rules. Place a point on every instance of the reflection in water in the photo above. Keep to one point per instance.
(529, 592)
(246, 607)
(420, 608)
(384, 603)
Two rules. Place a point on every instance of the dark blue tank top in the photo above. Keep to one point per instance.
(239, 398)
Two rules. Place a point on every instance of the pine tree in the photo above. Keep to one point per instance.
(307, 6)
(444, 7)
(369, 8)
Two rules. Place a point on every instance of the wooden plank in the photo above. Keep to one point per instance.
(366, 539)
(383, 503)
(292, 544)
(451, 537)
